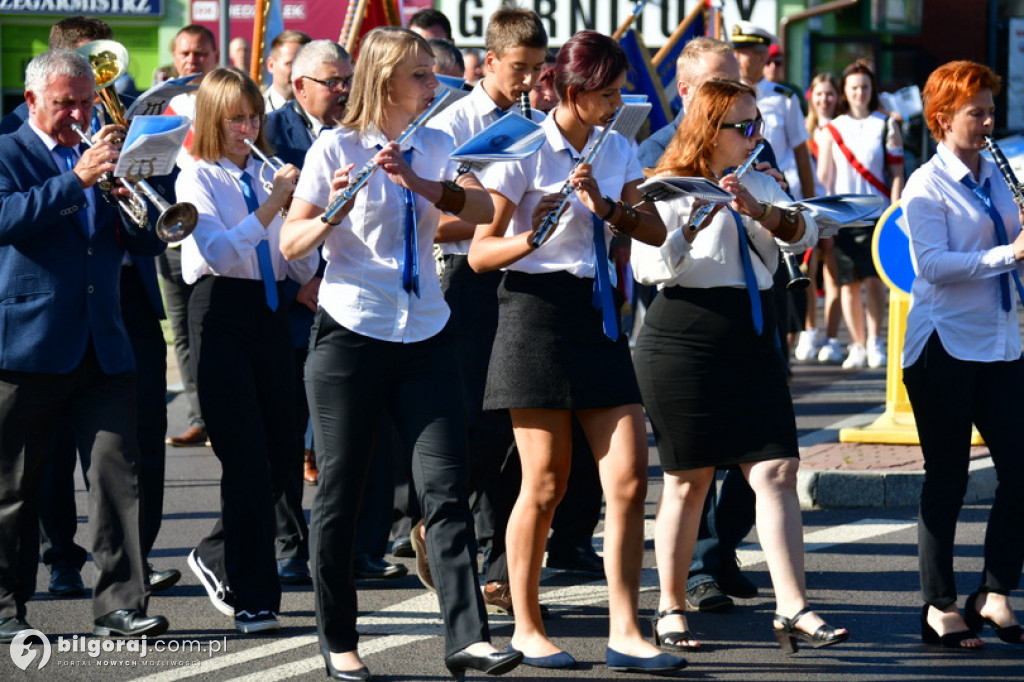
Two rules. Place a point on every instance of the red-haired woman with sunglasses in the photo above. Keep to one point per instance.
(712, 377)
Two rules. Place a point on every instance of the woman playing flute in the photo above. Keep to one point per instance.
(557, 355)
(711, 374)
(379, 343)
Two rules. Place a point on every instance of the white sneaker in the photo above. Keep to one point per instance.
(876, 353)
(857, 357)
(830, 351)
(807, 345)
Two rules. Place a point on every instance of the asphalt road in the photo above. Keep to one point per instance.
(861, 573)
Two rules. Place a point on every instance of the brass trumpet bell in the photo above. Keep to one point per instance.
(109, 60)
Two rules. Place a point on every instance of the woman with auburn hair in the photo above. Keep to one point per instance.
(379, 343)
(962, 359)
(557, 324)
(238, 330)
(713, 381)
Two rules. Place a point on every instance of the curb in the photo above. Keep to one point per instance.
(879, 489)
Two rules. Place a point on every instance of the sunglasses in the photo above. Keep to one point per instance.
(747, 128)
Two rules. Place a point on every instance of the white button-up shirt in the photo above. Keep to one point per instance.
(464, 119)
(571, 244)
(784, 127)
(362, 287)
(225, 239)
(713, 259)
(957, 262)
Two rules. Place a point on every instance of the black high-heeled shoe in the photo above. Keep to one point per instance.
(357, 675)
(497, 663)
(673, 641)
(788, 634)
(950, 640)
(1010, 634)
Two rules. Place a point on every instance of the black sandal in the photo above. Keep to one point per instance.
(673, 641)
(1011, 634)
(950, 640)
(788, 634)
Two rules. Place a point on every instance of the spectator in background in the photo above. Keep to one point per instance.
(447, 58)
(474, 65)
(862, 154)
(164, 73)
(431, 23)
(239, 53)
(824, 96)
(279, 66)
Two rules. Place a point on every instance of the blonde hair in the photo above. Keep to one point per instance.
(689, 64)
(689, 152)
(219, 97)
(811, 122)
(381, 51)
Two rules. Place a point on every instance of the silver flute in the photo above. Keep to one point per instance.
(702, 213)
(363, 176)
(1007, 172)
(551, 219)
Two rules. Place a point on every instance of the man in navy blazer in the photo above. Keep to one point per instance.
(64, 351)
(321, 80)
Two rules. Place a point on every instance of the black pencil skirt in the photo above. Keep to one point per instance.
(550, 351)
(716, 392)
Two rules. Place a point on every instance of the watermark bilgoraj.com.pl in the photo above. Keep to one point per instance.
(114, 653)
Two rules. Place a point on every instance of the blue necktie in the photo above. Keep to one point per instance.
(748, 275)
(263, 248)
(602, 284)
(985, 194)
(410, 262)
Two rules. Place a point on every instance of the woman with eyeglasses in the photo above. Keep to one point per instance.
(861, 154)
(712, 379)
(240, 342)
(558, 352)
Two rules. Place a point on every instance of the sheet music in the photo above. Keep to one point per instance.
(451, 85)
(510, 138)
(151, 146)
(697, 188)
(153, 101)
(632, 117)
(843, 210)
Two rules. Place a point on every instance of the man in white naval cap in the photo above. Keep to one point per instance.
(780, 106)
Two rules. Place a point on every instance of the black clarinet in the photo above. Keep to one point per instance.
(1007, 172)
(524, 105)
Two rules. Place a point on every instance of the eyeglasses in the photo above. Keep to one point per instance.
(240, 122)
(747, 128)
(332, 83)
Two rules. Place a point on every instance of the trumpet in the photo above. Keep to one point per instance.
(363, 176)
(703, 211)
(271, 163)
(175, 222)
(1007, 172)
(551, 219)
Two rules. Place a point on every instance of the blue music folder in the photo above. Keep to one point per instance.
(510, 138)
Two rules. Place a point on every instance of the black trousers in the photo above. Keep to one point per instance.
(101, 410)
(245, 380)
(350, 381)
(58, 516)
(947, 395)
(292, 531)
